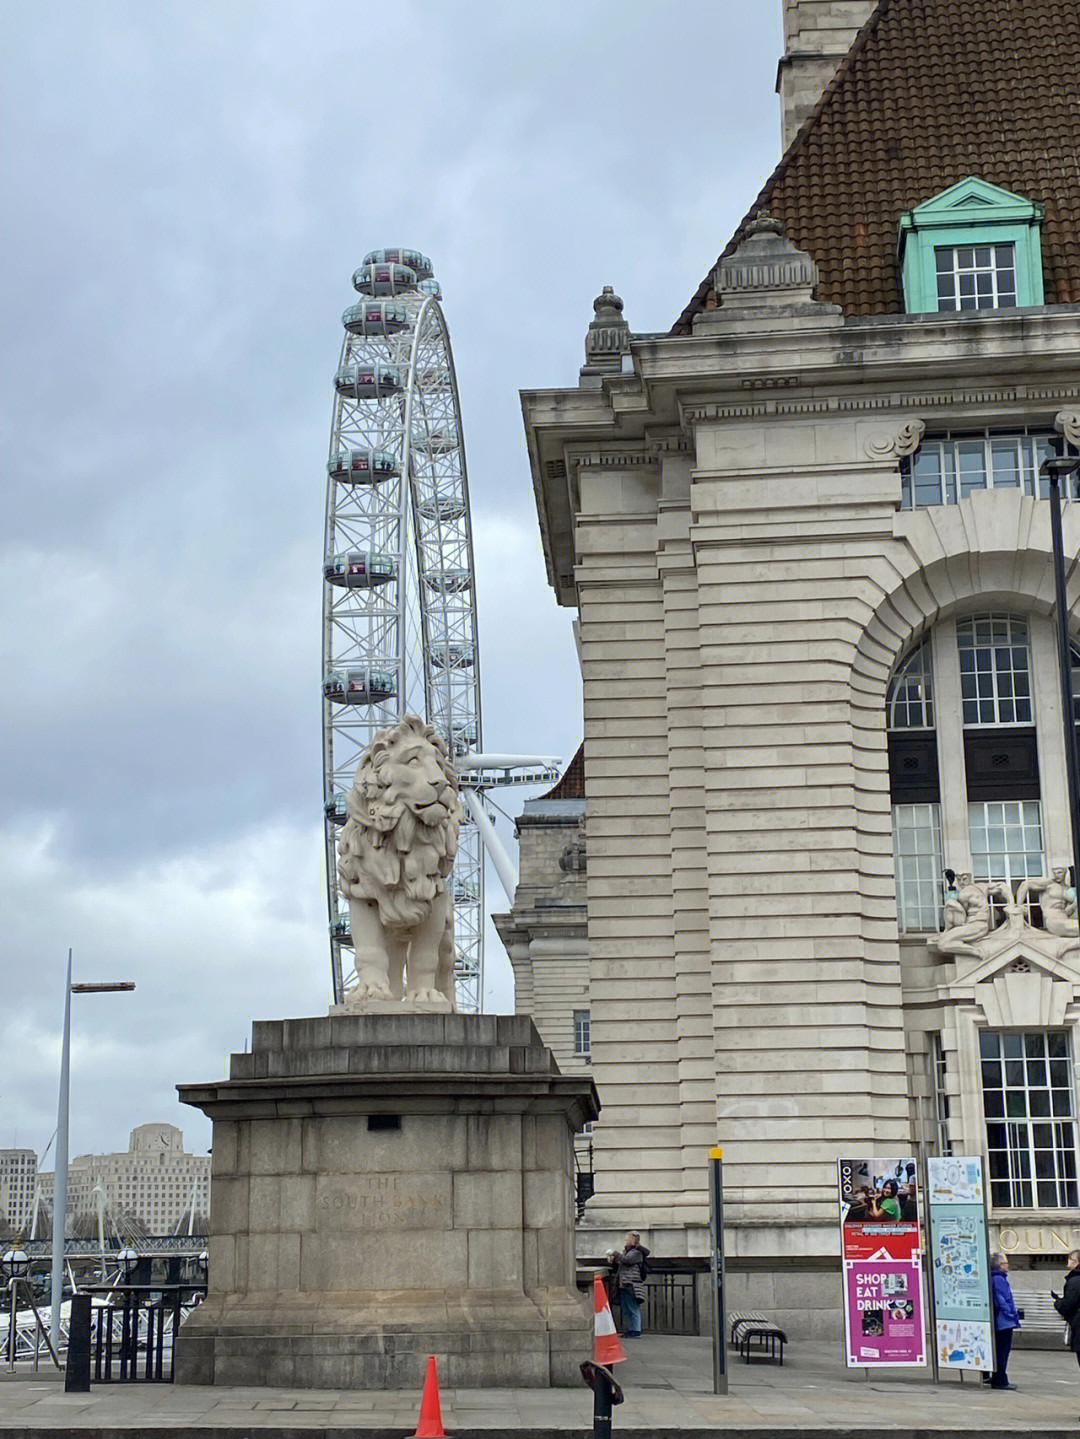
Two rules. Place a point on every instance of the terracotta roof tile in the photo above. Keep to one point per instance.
(930, 92)
(572, 784)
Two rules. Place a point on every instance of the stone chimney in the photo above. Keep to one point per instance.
(817, 36)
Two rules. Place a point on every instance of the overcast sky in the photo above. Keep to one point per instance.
(187, 189)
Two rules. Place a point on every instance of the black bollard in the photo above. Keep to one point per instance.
(77, 1373)
(601, 1407)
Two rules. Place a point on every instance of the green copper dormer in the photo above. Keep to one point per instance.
(973, 247)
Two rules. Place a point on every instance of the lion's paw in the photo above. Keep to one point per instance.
(370, 984)
(431, 999)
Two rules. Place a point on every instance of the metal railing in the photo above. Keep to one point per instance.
(131, 1332)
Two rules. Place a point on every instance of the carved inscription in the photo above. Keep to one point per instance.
(383, 1201)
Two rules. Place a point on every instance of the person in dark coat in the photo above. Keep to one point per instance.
(628, 1282)
(1067, 1303)
(1006, 1320)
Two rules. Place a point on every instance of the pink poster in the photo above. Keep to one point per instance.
(884, 1312)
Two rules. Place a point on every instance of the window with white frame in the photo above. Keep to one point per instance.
(917, 856)
(938, 1073)
(910, 701)
(1074, 664)
(1006, 839)
(581, 1032)
(1030, 1109)
(975, 277)
(995, 670)
(948, 468)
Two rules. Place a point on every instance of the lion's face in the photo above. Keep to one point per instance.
(411, 775)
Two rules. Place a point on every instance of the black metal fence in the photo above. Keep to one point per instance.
(130, 1333)
(671, 1297)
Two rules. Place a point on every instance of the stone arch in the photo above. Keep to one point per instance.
(991, 551)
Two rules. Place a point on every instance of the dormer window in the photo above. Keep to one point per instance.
(975, 277)
(973, 247)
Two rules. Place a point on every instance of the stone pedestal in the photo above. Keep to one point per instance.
(385, 1187)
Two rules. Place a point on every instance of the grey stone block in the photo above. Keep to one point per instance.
(491, 1200)
(495, 1259)
(275, 1146)
(267, 1034)
(494, 1141)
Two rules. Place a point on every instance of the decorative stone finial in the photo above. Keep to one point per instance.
(763, 223)
(766, 268)
(608, 337)
(765, 283)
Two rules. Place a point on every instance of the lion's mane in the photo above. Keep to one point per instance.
(386, 853)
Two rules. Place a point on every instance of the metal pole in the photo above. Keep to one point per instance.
(13, 1321)
(1072, 758)
(719, 1309)
(60, 1184)
(601, 1406)
(922, 1203)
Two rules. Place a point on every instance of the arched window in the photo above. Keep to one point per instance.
(995, 670)
(910, 700)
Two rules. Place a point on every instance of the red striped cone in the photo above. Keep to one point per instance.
(429, 1425)
(607, 1348)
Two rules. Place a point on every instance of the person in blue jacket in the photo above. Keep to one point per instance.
(1006, 1320)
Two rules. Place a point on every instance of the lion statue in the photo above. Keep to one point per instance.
(395, 853)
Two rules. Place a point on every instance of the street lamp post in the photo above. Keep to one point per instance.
(16, 1267)
(60, 1183)
(1056, 469)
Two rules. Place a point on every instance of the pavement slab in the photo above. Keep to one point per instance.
(668, 1385)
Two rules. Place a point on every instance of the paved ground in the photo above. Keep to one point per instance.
(668, 1383)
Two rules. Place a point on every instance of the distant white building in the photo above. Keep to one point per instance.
(156, 1181)
(18, 1171)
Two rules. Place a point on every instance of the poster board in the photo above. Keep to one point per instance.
(881, 1261)
(959, 1262)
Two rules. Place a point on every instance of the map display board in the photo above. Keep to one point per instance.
(959, 1267)
(881, 1260)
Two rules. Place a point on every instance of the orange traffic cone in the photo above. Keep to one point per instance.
(429, 1425)
(607, 1348)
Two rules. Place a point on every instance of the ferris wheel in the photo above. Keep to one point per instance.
(399, 613)
(399, 619)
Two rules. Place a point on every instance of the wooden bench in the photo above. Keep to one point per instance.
(752, 1328)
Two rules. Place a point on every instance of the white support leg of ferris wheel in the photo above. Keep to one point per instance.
(504, 865)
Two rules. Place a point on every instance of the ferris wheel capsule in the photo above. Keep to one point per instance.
(452, 657)
(411, 258)
(430, 287)
(335, 809)
(438, 442)
(375, 317)
(358, 380)
(362, 466)
(363, 686)
(449, 581)
(360, 569)
(385, 279)
(441, 505)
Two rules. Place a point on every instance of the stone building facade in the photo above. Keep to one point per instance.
(18, 1174)
(809, 549)
(155, 1181)
(545, 933)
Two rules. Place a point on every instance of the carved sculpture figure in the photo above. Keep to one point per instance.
(1058, 903)
(968, 917)
(395, 854)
